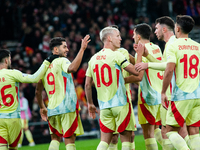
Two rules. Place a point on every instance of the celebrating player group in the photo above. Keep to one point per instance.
(168, 94)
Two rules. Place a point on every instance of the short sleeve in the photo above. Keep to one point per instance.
(121, 59)
(171, 54)
(65, 64)
(88, 72)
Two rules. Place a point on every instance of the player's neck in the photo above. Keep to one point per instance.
(168, 35)
(109, 46)
(3, 66)
(181, 35)
(144, 41)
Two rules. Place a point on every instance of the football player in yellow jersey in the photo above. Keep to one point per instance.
(10, 122)
(63, 108)
(105, 70)
(149, 89)
(164, 32)
(183, 61)
(114, 141)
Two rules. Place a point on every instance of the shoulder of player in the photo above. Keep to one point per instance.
(123, 50)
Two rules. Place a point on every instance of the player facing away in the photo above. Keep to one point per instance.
(149, 97)
(164, 32)
(10, 122)
(25, 116)
(105, 70)
(63, 108)
(183, 60)
(114, 141)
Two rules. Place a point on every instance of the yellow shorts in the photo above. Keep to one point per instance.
(149, 114)
(24, 123)
(10, 132)
(117, 119)
(66, 124)
(184, 111)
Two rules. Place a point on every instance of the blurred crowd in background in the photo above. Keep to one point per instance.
(32, 23)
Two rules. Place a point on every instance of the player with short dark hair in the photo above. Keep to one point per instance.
(183, 61)
(63, 108)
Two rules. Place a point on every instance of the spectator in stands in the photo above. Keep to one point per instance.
(86, 123)
(81, 74)
(25, 116)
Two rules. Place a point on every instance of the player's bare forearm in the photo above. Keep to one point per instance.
(77, 61)
(38, 94)
(131, 69)
(88, 89)
(167, 76)
(132, 59)
(133, 78)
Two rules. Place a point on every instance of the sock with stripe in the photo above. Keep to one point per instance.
(187, 140)
(54, 145)
(133, 145)
(102, 146)
(112, 146)
(195, 142)
(178, 142)
(126, 145)
(71, 146)
(167, 145)
(158, 136)
(151, 144)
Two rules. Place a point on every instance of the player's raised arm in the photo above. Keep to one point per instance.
(77, 61)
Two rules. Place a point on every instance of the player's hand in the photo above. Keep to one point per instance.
(141, 66)
(164, 100)
(92, 111)
(51, 58)
(43, 113)
(139, 48)
(85, 42)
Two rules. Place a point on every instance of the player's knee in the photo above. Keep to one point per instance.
(114, 139)
(132, 136)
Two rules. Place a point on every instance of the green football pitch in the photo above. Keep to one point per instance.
(89, 145)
